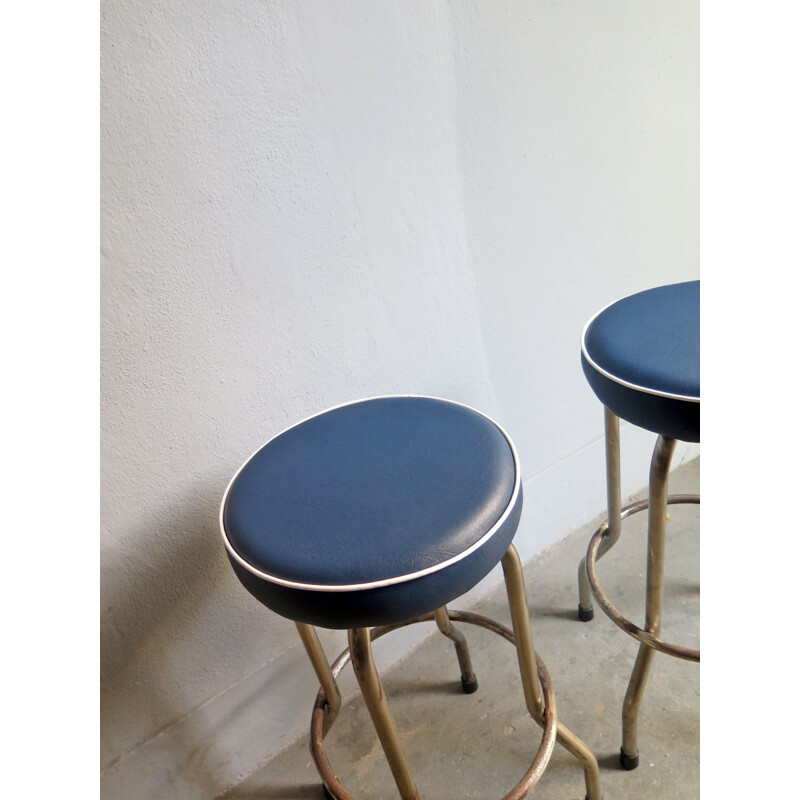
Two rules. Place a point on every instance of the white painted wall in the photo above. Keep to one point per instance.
(306, 203)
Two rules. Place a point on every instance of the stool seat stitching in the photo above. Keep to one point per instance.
(622, 381)
(353, 587)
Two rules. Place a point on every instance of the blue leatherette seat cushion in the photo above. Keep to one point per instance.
(373, 512)
(641, 356)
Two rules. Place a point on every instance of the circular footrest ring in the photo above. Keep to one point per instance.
(679, 651)
(537, 767)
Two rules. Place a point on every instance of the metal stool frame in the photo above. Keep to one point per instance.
(604, 538)
(539, 694)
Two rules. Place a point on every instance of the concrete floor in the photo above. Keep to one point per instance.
(479, 745)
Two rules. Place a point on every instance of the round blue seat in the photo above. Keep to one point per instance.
(373, 512)
(641, 356)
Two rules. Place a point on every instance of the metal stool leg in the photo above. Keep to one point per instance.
(360, 653)
(656, 541)
(469, 683)
(585, 609)
(324, 674)
(534, 772)
(520, 621)
(374, 697)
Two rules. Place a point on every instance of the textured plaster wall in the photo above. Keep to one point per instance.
(306, 203)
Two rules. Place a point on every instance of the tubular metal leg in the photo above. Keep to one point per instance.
(469, 683)
(520, 621)
(614, 523)
(360, 653)
(317, 656)
(374, 697)
(534, 772)
(656, 541)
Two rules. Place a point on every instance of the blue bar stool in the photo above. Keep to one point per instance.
(641, 357)
(372, 516)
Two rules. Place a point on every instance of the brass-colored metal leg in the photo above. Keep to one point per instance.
(656, 543)
(521, 624)
(614, 523)
(469, 683)
(541, 758)
(320, 663)
(374, 697)
(629, 754)
(520, 621)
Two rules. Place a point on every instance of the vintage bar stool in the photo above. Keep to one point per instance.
(379, 513)
(641, 356)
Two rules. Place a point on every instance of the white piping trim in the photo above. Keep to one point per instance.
(352, 587)
(617, 379)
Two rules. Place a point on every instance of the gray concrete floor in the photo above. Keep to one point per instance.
(479, 745)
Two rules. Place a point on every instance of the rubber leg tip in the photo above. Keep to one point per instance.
(585, 614)
(628, 762)
(469, 687)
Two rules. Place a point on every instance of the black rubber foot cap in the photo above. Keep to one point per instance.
(585, 614)
(469, 686)
(628, 762)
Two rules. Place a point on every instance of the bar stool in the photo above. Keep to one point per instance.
(641, 357)
(374, 515)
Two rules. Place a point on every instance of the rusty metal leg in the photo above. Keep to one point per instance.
(320, 663)
(520, 621)
(656, 542)
(469, 683)
(629, 753)
(614, 522)
(371, 689)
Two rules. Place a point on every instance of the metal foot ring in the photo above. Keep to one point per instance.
(331, 783)
(679, 651)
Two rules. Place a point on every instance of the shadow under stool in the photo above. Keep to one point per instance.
(375, 515)
(641, 357)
